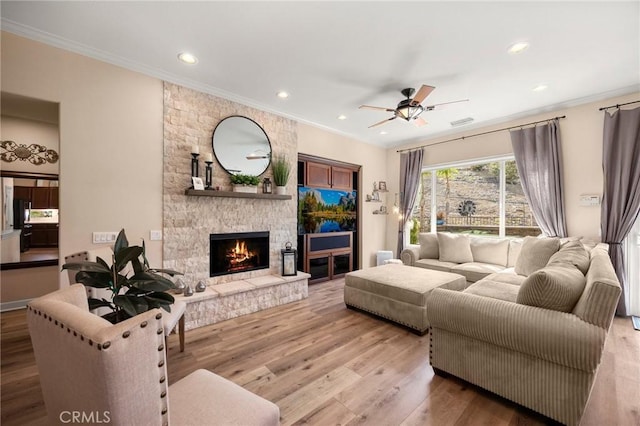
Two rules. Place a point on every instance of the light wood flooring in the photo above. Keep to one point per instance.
(323, 364)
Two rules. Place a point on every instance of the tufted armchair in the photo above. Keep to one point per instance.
(116, 373)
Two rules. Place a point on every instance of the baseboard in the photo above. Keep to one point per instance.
(636, 323)
(12, 306)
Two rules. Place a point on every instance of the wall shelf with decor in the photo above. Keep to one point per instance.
(229, 194)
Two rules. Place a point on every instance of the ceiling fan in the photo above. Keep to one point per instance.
(409, 109)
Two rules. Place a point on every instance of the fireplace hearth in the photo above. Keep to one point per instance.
(238, 252)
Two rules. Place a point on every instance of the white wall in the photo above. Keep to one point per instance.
(314, 141)
(110, 141)
(581, 141)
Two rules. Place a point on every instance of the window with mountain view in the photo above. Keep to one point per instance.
(474, 198)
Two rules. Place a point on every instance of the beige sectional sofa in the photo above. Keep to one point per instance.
(534, 331)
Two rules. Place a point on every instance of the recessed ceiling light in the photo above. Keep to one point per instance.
(187, 58)
(383, 132)
(540, 88)
(282, 94)
(518, 47)
(342, 117)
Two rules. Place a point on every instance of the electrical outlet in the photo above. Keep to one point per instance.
(155, 235)
(104, 237)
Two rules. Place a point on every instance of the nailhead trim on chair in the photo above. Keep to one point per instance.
(126, 334)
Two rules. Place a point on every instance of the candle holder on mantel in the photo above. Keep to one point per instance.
(208, 175)
(194, 164)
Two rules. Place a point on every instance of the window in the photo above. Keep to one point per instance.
(482, 198)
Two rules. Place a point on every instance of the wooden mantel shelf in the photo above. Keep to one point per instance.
(229, 194)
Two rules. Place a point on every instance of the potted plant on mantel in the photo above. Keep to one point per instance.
(145, 288)
(281, 170)
(245, 183)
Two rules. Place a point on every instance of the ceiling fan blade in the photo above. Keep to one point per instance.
(376, 108)
(419, 122)
(382, 122)
(422, 94)
(432, 107)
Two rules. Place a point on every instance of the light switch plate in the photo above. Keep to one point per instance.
(104, 237)
(155, 235)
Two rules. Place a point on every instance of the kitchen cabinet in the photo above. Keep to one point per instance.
(44, 235)
(39, 197)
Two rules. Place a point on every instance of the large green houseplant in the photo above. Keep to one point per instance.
(135, 289)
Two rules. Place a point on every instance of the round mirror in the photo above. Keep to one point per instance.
(241, 146)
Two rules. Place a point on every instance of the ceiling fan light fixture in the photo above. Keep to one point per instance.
(409, 112)
(518, 47)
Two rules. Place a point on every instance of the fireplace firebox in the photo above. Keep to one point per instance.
(238, 252)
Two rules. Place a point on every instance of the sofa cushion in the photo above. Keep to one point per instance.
(475, 271)
(554, 287)
(515, 245)
(435, 264)
(494, 290)
(507, 276)
(490, 250)
(571, 253)
(535, 254)
(428, 246)
(454, 248)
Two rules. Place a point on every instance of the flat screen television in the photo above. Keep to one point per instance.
(326, 210)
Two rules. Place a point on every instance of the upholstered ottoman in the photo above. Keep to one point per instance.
(398, 292)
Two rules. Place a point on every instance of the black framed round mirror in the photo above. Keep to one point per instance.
(241, 146)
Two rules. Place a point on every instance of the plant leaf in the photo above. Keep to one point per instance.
(99, 303)
(169, 272)
(149, 285)
(94, 279)
(87, 266)
(126, 304)
(126, 255)
(121, 242)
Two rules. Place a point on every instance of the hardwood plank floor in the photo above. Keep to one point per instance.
(324, 364)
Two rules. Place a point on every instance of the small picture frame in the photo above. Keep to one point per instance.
(197, 183)
(382, 186)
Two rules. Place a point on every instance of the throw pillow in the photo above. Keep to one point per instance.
(535, 254)
(428, 246)
(571, 254)
(490, 250)
(515, 245)
(454, 248)
(555, 287)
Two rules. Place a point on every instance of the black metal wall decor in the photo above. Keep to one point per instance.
(34, 153)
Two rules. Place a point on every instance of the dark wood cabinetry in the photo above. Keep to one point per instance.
(44, 235)
(319, 175)
(327, 255)
(39, 197)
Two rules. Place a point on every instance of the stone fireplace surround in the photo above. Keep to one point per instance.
(189, 119)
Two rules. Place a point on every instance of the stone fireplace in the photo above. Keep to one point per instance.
(189, 221)
(238, 252)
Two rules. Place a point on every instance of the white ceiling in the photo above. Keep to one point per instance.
(334, 56)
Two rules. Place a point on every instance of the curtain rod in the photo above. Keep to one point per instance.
(618, 105)
(480, 134)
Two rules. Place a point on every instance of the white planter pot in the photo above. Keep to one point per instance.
(253, 189)
(281, 190)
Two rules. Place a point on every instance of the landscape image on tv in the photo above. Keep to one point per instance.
(325, 210)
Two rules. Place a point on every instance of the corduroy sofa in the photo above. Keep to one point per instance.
(535, 337)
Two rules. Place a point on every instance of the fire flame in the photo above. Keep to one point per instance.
(239, 254)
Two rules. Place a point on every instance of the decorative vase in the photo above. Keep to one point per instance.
(281, 190)
(188, 291)
(252, 189)
(200, 287)
(180, 286)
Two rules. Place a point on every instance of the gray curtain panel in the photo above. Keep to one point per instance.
(539, 161)
(621, 193)
(410, 169)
